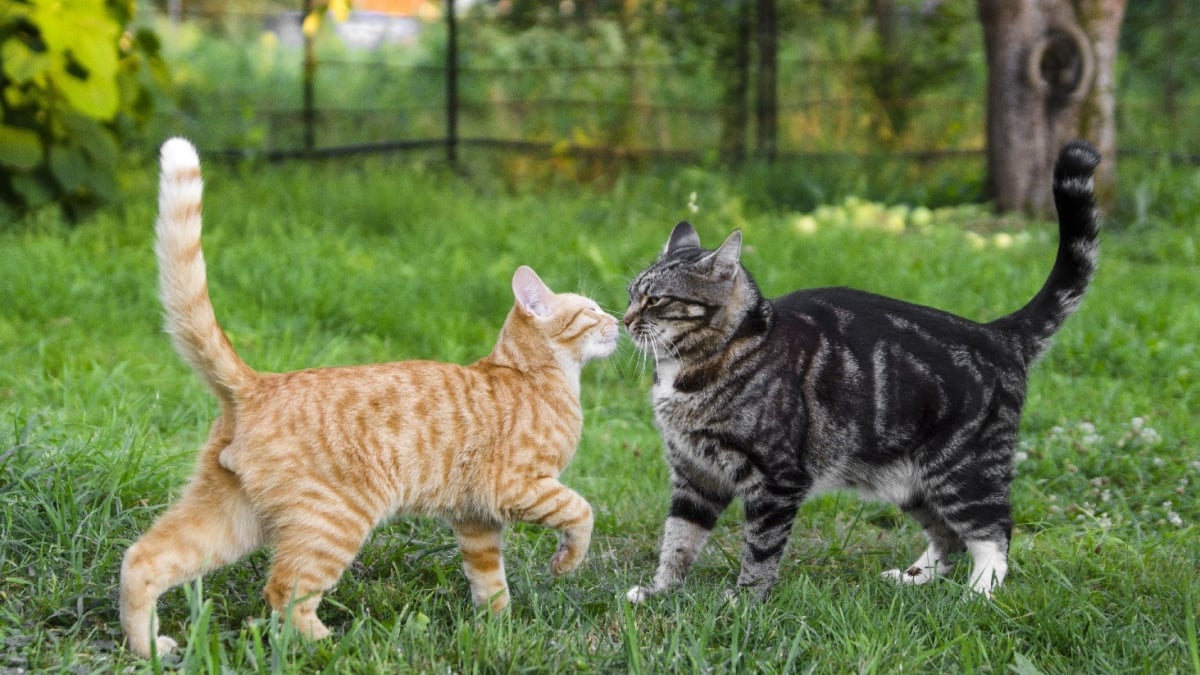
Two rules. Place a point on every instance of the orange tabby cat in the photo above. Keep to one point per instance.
(310, 461)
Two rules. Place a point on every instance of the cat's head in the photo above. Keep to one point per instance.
(690, 299)
(574, 327)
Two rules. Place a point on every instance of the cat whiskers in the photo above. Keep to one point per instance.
(635, 357)
(652, 343)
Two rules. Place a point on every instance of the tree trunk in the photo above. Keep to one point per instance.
(1050, 79)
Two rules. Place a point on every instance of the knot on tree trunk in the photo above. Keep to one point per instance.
(1060, 66)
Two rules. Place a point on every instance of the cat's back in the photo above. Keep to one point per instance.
(403, 387)
(359, 416)
(375, 412)
(860, 320)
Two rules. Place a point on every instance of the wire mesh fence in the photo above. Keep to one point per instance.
(389, 83)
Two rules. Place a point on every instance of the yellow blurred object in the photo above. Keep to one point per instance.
(311, 23)
(429, 11)
(340, 9)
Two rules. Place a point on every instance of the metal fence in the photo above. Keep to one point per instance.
(388, 83)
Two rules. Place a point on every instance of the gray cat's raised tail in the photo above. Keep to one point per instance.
(1078, 253)
(182, 278)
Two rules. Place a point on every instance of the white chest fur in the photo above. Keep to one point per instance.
(665, 373)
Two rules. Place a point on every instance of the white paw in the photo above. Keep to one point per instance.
(165, 645)
(637, 594)
(913, 575)
(989, 569)
(983, 588)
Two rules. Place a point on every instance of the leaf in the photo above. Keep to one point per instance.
(75, 26)
(98, 55)
(94, 96)
(68, 166)
(82, 42)
(103, 184)
(147, 42)
(18, 97)
(35, 190)
(21, 64)
(98, 143)
(20, 149)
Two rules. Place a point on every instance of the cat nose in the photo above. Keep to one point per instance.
(629, 319)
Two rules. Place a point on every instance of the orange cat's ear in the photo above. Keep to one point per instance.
(533, 296)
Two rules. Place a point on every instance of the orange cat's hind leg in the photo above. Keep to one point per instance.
(211, 525)
(312, 549)
(483, 562)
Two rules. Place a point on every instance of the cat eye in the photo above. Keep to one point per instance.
(653, 300)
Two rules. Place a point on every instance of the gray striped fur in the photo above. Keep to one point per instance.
(771, 401)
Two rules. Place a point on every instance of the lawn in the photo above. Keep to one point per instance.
(368, 260)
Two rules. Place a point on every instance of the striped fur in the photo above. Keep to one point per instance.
(311, 461)
(771, 401)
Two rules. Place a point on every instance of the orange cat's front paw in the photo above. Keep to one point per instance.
(311, 627)
(565, 560)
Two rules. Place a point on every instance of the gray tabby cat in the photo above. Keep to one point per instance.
(775, 400)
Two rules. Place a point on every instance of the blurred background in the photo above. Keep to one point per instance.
(580, 89)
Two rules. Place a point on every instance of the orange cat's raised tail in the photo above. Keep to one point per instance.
(182, 281)
(310, 461)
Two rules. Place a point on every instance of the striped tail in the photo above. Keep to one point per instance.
(182, 281)
(1078, 252)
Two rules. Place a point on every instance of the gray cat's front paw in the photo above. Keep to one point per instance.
(755, 592)
(639, 594)
(913, 575)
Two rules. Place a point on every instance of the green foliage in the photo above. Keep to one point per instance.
(389, 259)
(915, 47)
(73, 85)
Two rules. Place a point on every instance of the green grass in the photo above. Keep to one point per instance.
(371, 260)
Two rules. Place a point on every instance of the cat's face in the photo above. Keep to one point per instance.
(678, 302)
(574, 326)
(581, 326)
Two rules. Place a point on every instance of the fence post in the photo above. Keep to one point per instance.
(310, 69)
(451, 84)
(767, 39)
(733, 62)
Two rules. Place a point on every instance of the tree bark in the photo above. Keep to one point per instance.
(1050, 79)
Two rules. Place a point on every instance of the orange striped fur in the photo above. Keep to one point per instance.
(310, 461)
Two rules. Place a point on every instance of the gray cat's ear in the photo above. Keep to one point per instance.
(683, 236)
(724, 260)
(533, 296)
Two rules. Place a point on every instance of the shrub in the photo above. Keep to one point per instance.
(73, 85)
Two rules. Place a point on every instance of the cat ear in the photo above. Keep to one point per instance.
(724, 260)
(533, 296)
(683, 236)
